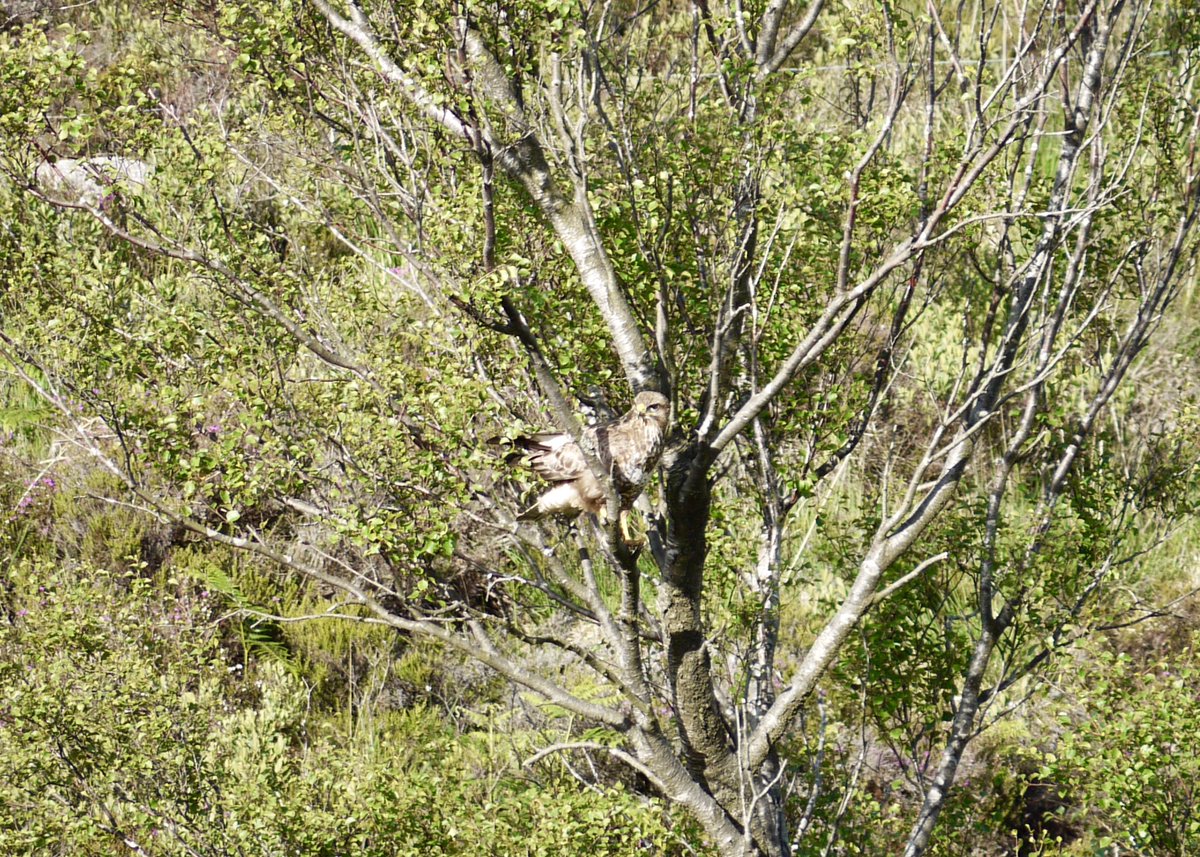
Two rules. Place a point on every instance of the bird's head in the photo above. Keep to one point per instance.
(653, 407)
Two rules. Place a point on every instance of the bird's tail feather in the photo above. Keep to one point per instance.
(533, 513)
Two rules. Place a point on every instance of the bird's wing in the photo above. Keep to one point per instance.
(554, 456)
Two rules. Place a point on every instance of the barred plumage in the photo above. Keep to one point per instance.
(628, 448)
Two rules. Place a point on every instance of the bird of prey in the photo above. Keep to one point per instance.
(628, 448)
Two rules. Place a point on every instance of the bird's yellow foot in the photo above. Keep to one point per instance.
(633, 540)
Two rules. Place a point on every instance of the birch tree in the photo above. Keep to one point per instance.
(915, 249)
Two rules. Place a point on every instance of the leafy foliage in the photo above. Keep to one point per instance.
(284, 352)
(123, 724)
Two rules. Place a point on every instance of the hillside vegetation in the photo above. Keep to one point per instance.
(281, 282)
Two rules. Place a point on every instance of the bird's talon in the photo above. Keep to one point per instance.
(633, 541)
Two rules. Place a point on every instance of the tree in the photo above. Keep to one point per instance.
(923, 246)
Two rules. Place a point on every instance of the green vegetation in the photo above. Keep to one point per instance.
(132, 723)
(280, 282)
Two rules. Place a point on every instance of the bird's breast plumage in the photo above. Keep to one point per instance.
(636, 448)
